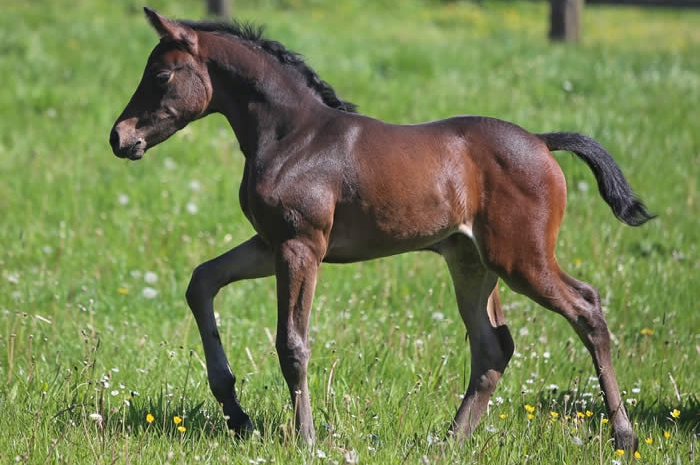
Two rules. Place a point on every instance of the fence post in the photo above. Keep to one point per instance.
(220, 8)
(564, 20)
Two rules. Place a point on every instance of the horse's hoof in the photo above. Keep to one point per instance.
(240, 424)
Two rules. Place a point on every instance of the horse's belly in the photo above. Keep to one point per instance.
(358, 239)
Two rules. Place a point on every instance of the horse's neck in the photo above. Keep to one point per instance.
(264, 104)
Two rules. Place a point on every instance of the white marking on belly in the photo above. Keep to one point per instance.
(466, 229)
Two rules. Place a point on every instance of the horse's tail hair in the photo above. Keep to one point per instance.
(612, 185)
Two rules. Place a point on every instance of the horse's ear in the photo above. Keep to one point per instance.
(167, 28)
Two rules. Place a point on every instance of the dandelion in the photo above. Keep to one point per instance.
(619, 452)
(529, 408)
(649, 440)
(554, 416)
(675, 413)
(503, 416)
(177, 420)
(192, 208)
(181, 429)
(580, 415)
(667, 434)
(149, 293)
(604, 421)
(96, 417)
(123, 291)
(150, 277)
(589, 413)
(150, 418)
(646, 332)
(637, 455)
(530, 416)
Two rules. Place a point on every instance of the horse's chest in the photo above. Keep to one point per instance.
(280, 209)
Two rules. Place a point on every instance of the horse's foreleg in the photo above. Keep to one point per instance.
(490, 342)
(297, 267)
(252, 259)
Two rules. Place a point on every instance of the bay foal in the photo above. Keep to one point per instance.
(322, 183)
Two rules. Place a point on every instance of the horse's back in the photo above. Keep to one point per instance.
(410, 186)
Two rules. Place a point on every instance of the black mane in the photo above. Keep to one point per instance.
(254, 33)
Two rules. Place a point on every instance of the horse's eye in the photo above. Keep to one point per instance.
(162, 78)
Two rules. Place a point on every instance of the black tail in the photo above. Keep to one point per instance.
(612, 185)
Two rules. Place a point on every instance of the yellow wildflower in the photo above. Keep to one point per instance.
(530, 416)
(529, 408)
(149, 418)
(580, 415)
(667, 434)
(589, 413)
(503, 416)
(604, 421)
(637, 455)
(554, 414)
(123, 291)
(646, 332)
(675, 413)
(181, 429)
(649, 440)
(177, 420)
(619, 452)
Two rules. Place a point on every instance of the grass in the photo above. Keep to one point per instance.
(95, 333)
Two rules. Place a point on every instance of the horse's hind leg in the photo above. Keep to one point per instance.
(252, 259)
(489, 339)
(528, 266)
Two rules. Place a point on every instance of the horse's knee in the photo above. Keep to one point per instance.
(293, 355)
(199, 288)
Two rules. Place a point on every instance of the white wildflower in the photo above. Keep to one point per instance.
(150, 277)
(149, 292)
(192, 208)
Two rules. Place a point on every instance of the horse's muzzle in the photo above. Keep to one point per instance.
(133, 150)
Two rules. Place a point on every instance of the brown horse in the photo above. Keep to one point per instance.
(322, 183)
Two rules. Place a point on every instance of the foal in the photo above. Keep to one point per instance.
(324, 184)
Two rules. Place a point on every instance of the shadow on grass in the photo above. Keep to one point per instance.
(645, 413)
(178, 419)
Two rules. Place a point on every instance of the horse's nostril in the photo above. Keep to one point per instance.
(114, 139)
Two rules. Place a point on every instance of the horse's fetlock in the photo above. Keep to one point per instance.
(222, 384)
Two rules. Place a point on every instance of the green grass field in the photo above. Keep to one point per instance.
(95, 333)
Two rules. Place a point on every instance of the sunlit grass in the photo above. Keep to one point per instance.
(99, 353)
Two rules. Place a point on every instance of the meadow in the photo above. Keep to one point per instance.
(100, 359)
